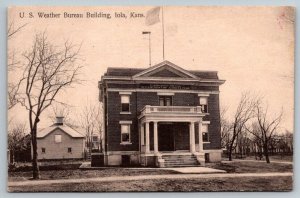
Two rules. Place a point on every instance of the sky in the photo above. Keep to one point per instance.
(252, 48)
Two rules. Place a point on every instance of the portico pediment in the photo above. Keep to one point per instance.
(165, 69)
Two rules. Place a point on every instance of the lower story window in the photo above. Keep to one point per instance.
(43, 150)
(205, 133)
(125, 133)
(69, 150)
(205, 137)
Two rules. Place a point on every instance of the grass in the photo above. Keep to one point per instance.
(76, 174)
(278, 157)
(252, 167)
(170, 185)
(282, 183)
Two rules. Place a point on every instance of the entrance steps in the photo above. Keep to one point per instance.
(180, 160)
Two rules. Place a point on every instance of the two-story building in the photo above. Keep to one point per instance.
(160, 116)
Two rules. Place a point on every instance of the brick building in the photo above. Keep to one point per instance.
(160, 116)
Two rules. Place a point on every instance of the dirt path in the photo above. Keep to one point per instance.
(146, 177)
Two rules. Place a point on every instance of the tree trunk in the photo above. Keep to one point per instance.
(35, 167)
(266, 154)
(230, 152)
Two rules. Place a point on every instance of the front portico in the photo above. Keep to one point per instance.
(170, 130)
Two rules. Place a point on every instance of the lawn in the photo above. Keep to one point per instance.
(251, 167)
(287, 158)
(78, 173)
(170, 185)
(278, 183)
(74, 173)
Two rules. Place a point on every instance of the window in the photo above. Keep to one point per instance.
(57, 138)
(69, 150)
(43, 150)
(125, 100)
(165, 100)
(203, 104)
(205, 133)
(125, 133)
(95, 138)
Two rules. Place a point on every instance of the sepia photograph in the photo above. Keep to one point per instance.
(150, 98)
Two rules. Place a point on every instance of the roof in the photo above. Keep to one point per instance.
(130, 72)
(65, 128)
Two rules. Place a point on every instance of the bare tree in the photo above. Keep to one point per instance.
(225, 128)
(12, 30)
(289, 139)
(91, 121)
(266, 127)
(48, 70)
(257, 143)
(12, 65)
(62, 110)
(16, 138)
(242, 115)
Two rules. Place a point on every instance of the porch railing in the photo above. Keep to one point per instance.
(171, 109)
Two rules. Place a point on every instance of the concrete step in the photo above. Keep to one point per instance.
(180, 160)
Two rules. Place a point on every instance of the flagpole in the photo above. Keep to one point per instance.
(149, 34)
(163, 31)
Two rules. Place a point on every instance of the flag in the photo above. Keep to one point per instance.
(152, 16)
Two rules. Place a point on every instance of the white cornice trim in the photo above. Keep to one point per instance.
(203, 94)
(125, 122)
(162, 91)
(161, 79)
(206, 122)
(165, 94)
(125, 92)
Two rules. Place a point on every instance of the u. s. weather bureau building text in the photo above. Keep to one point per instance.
(160, 116)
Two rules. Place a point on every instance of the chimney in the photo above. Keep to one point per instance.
(59, 120)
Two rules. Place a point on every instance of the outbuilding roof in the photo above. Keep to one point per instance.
(65, 128)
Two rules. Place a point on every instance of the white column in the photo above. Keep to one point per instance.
(192, 137)
(147, 138)
(200, 137)
(155, 138)
(142, 134)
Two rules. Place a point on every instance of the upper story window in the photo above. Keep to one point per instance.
(125, 133)
(203, 104)
(205, 133)
(125, 103)
(165, 101)
(57, 138)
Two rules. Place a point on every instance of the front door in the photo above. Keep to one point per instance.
(166, 137)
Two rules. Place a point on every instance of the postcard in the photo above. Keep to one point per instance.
(150, 98)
